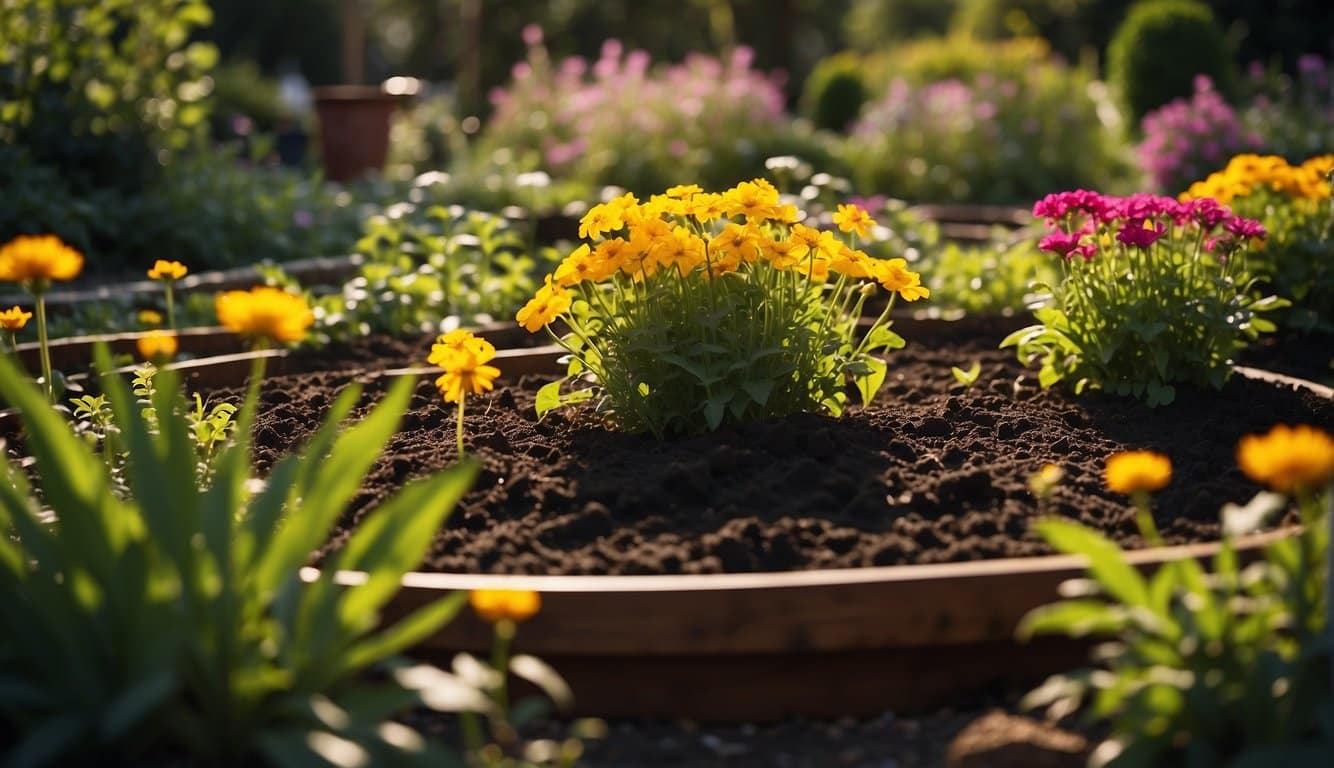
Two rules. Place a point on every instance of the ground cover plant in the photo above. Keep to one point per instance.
(1154, 293)
(694, 309)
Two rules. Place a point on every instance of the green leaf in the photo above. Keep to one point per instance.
(1106, 563)
(404, 634)
(870, 384)
(1077, 618)
(969, 377)
(548, 398)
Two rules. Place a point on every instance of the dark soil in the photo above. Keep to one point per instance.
(930, 473)
(1306, 355)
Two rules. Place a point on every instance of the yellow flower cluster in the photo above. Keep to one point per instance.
(37, 260)
(464, 358)
(13, 319)
(265, 313)
(693, 232)
(167, 271)
(1247, 174)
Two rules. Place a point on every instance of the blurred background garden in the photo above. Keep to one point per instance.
(192, 130)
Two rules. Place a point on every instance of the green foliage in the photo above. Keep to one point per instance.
(240, 89)
(205, 209)
(835, 91)
(870, 24)
(969, 377)
(428, 262)
(1159, 49)
(99, 87)
(172, 621)
(992, 278)
(1224, 666)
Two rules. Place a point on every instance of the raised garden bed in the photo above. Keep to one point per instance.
(885, 556)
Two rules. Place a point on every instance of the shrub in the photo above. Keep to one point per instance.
(998, 139)
(835, 91)
(1154, 293)
(694, 309)
(1187, 138)
(958, 57)
(1159, 49)
(622, 121)
(1294, 205)
(171, 622)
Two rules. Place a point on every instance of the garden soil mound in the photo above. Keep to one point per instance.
(931, 473)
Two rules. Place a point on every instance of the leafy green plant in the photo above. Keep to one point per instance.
(173, 623)
(1153, 293)
(991, 278)
(425, 263)
(1160, 47)
(1228, 665)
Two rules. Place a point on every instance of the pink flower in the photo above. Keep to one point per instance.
(1141, 233)
(1244, 228)
(1064, 244)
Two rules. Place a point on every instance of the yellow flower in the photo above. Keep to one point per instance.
(584, 265)
(804, 240)
(1288, 458)
(167, 271)
(461, 340)
(156, 346)
(38, 259)
(756, 200)
(465, 374)
(1138, 472)
(150, 318)
(550, 302)
(600, 219)
(851, 218)
(14, 319)
(265, 312)
(893, 275)
(684, 191)
(682, 249)
(735, 244)
(495, 605)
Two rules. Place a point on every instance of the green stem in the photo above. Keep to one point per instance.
(500, 662)
(462, 398)
(171, 307)
(47, 386)
(1144, 519)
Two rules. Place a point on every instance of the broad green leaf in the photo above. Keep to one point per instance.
(1106, 562)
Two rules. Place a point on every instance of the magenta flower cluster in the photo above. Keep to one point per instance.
(1187, 139)
(1081, 217)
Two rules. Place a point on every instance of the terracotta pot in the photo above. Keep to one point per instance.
(354, 129)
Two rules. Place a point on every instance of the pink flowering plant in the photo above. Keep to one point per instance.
(1153, 293)
(626, 120)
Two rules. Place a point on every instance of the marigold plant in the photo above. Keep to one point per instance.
(12, 321)
(463, 357)
(694, 308)
(1290, 460)
(168, 272)
(1294, 204)
(1154, 293)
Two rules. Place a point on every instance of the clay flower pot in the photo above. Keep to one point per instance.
(354, 129)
